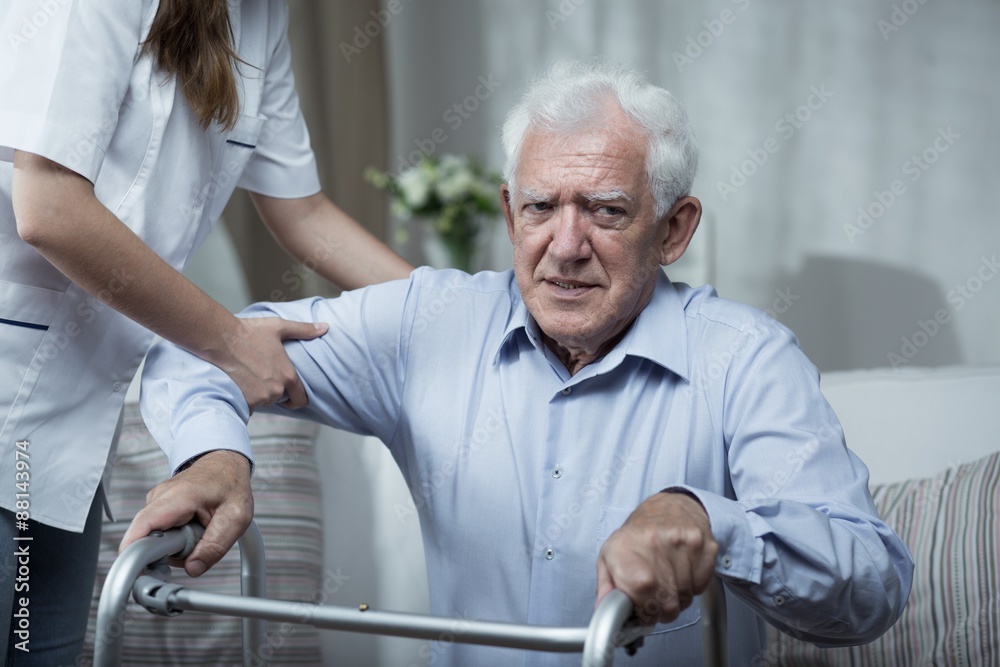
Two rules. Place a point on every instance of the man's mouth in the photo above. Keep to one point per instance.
(567, 286)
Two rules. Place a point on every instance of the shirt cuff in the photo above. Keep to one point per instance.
(207, 433)
(741, 551)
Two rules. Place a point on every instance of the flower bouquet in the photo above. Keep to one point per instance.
(453, 195)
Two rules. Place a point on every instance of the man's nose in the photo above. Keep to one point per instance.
(569, 236)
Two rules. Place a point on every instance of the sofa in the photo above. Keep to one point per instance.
(929, 438)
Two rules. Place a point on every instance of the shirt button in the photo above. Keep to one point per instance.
(779, 600)
(557, 472)
(727, 562)
(567, 391)
(550, 553)
(117, 386)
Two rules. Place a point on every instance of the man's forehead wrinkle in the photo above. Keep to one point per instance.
(592, 183)
(597, 162)
(597, 167)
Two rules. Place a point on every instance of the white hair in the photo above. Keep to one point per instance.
(569, 97)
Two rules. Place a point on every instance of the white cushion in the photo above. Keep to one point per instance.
(914, 422)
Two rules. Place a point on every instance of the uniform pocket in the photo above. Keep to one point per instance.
(611, 519)
(239, 146)
(27, 306)
(247, 132)
(26, 312)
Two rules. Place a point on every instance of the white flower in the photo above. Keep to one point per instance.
(450, 163)
(415, 186)
(455, 185)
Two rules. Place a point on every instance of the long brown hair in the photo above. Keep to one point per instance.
(193, 40)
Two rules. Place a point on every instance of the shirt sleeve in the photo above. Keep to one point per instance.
(283, 164)
(801, 543)
(353, 376)
(64, 74)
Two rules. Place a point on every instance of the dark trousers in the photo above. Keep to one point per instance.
(57, 582)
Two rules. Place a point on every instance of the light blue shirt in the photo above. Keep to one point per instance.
(520, 471)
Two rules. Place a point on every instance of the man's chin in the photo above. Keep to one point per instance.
(568, 332)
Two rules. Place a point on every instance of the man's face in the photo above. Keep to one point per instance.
(587, 250)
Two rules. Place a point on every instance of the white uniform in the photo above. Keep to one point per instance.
(74, 89)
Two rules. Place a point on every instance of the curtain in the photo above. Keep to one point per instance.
(344, 103)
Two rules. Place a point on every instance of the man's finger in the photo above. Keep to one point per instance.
(158, 516)
(704, 568)
(673, 592)
(296, 395)
(221, 534)
(604, 582)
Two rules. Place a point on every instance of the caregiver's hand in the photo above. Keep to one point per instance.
(252, 354)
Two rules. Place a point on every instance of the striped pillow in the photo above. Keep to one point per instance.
(951, 523)
(287, 510)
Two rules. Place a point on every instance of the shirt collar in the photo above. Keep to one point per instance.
(659, 333)
(520, 320)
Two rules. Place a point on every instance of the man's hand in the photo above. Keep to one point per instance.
(216, 491)
(661, 558)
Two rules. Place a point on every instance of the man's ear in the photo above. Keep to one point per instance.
(507, 204)
(681, 222)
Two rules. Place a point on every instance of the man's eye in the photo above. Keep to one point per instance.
(611, 210)
(539, 206)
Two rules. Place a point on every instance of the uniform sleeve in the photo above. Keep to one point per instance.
(353, 376)
(801, 543)
(283, 164)
(64, 73)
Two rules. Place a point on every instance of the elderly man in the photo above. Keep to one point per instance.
(579, 423)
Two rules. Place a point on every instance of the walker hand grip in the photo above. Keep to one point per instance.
(609, 629)
(192, 532)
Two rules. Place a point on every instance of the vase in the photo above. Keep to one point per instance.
(439, 254)
(455, 249)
